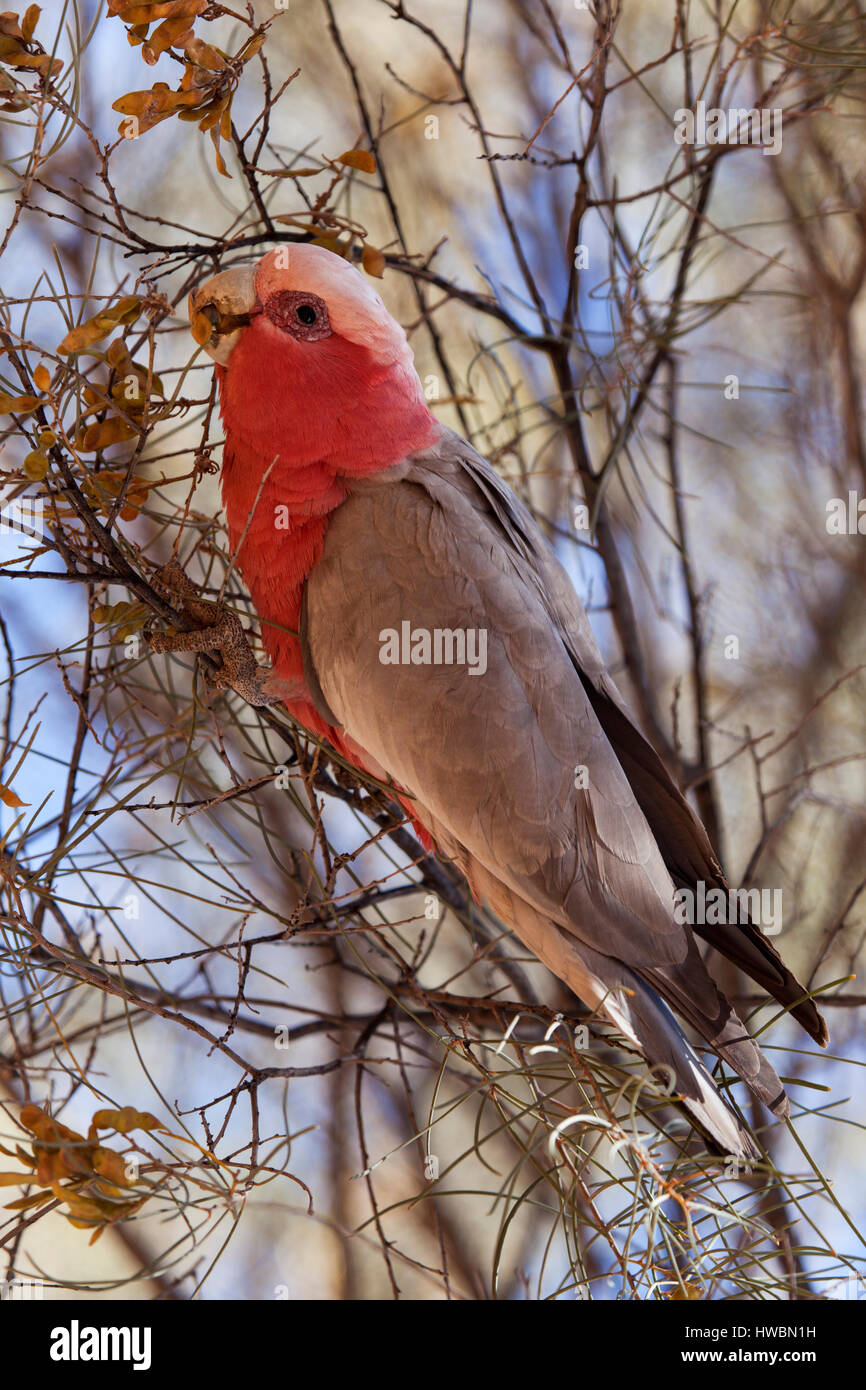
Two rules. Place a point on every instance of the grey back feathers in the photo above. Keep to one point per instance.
(582, 865)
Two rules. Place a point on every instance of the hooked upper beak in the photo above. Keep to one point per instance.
(220, 308)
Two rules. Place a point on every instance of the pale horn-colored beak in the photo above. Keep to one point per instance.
(221, 308)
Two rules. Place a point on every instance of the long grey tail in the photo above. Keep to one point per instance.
(645, 1020)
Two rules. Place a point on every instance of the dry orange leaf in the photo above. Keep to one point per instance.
(358, 159)
(17, 405)
(105, 433)
(9, 798)
(373, 261)
(172, 33)
(149, 11)
(45, 1127)
(29, 22)
(84, 335)
(331, 243)
(35, 465)
(36, 1199)
(157, 103)
(126, 1120)
(204, 55)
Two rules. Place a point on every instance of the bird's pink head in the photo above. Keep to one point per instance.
(314, 372)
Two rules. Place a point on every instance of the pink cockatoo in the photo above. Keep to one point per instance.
(363, 528)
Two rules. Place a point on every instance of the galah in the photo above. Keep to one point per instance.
(363, 528)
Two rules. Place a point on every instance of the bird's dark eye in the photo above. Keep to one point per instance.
(299, 312)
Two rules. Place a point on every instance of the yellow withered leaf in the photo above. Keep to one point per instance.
(358, 159)
(220, 162)
(42, 377)
(36, 1199)
(112, 1166)
(17, 405)
(10, 798)
(149, 11)
(105, 433)
(172, 33)
(209, 116)
(330, 243)
(29, 22)
(158, 102)
(21, 1154)
(88, 1209)
(126, 1120)
(35, 465)
(373, 261)
(84, 335)
(17, 58)
(117, 352)
(204, 55)
(251, 48)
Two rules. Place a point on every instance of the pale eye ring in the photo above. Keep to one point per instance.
(299, 312)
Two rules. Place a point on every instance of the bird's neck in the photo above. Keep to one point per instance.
(276, 534)
(289, 459)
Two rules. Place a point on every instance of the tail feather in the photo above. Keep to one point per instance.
(638, 1008)
(691, 990)
(646, 1021)
(688, 854)
(746, 947)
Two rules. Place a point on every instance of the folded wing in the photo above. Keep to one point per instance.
(521, 758)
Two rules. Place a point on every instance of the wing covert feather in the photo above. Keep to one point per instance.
(493, 755)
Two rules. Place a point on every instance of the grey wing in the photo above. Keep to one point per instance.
(511, 761)
(684, 844)
(511, 767)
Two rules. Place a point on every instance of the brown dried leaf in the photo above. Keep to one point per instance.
(126, 1120)
(220, 162)
(204, 55)
(112, 1166)
(29, 22)
(105, 433)
(212, 113)
(358, 159)
(251, 48)
(18, 405)
(84, 335)
(9, 798)
(36, 1199)
(35, 465)
(149, 11)
(373, 261)
(157, 103)
(330, 243)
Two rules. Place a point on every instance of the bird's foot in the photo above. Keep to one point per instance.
(219, 634)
